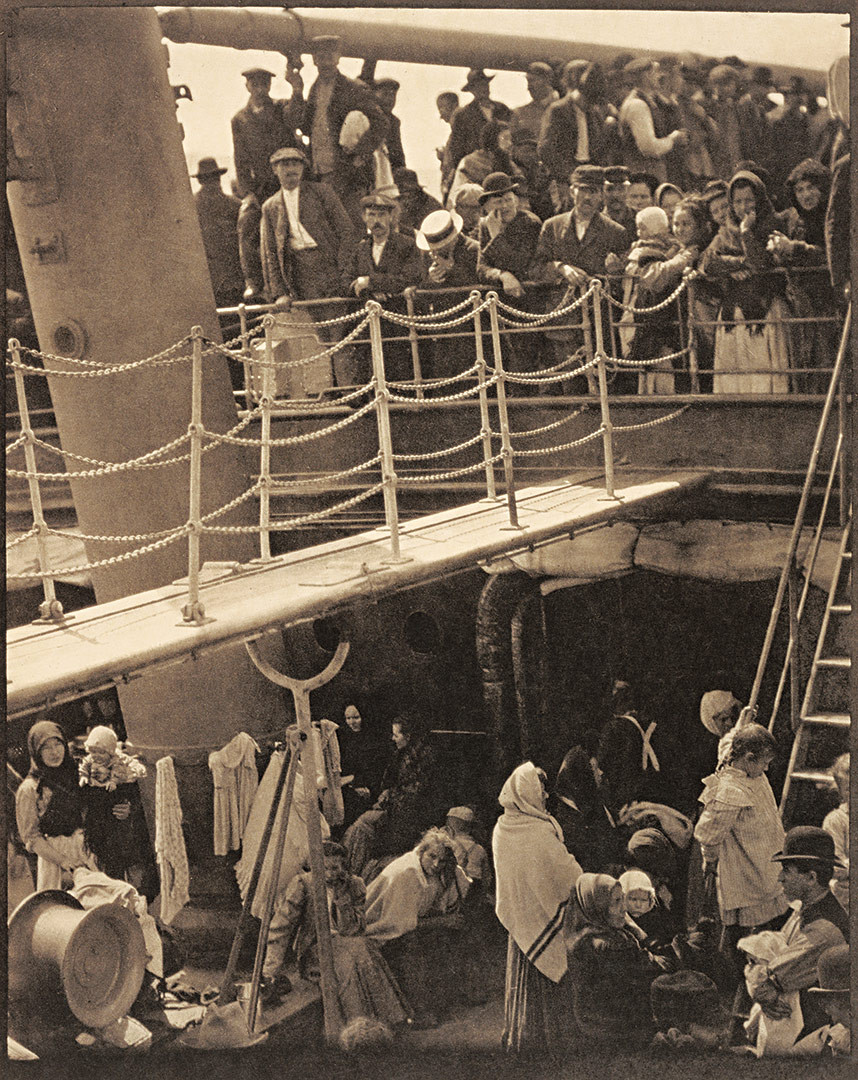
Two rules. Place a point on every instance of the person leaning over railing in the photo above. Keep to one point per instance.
(751, 343)
(809, 290)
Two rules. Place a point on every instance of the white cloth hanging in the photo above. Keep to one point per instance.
(170, 842)
(648, 757)
(235, 782)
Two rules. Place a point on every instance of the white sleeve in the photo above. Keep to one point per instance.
(639, 118)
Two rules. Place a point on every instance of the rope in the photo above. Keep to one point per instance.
(421, 320)
(547, 427)
(112, 561)
(97, 372)
(32, 531)
(409, 481)
(439, 453)
(295, 440)
(563, 446)
(296, 522)
(450, 397)
(648, 310)
(304, 403)
(16, 443)
(431, 384)
(530, 316)
(653, 423)
(618, 361)
(330, 476)
(300, 362)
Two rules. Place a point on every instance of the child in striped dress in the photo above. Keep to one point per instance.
(739, 831)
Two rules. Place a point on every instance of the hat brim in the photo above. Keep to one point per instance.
(826, 990)
(829, 860)
(424, 245)
(211, 172)
(473, 82)
(486, 195)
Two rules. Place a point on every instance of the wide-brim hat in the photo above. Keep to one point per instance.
(288, 153)
(476, 75)
(438, 229)
(223, 1027)
(833, 971)
(497, 183)
(589, 175)
(808, 843)
(208, 166)
(94, 959)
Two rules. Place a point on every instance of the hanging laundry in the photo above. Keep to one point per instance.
(169, 841)
(235, 782)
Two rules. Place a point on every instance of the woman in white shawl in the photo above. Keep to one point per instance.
(535, 877)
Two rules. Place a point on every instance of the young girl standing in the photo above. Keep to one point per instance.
(739, 831)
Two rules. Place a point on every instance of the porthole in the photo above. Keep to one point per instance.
(422, 633)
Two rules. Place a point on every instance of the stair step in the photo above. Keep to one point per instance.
(841, 662)
(815, 776)
(838, 720)
(841, 609)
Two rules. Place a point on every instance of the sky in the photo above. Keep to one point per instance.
(213, 74)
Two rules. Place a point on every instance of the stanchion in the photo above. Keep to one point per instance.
(50, 609)
(589, 352)
(412, 338)
(692, 337)
(193, 611)
(607, 427)
(245, 354)
(385, 442)
(503, 416)
(485, 425)
(264, 481)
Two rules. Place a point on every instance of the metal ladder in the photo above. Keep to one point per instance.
(814, 716)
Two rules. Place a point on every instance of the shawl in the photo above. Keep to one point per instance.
(592, 899)
(63, 814)
(235, 781)
(170, 842)
(402, 894)
(534, 872)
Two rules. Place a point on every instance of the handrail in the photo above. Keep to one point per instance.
(800, 514)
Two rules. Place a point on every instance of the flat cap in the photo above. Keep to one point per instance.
(376, 198)
(617, 174)
(325, 41)
(257, 73)
(588, 175)
(288, 153)
(461, 813)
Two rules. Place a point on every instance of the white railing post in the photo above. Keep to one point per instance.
(693, 368)
(193, 611)
(412, 337)
(264, 481)
(50, 610)
(607, 427)
(385, 441)
(503, 416)
(245, 354)
(485, 423)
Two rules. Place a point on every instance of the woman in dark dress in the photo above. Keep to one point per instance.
(589, 831)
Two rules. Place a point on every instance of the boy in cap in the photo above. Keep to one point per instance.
(833, 1039)
(540, 86)
(260, 128)
(615, 190)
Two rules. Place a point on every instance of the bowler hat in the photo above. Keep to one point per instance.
(617, 174)
(589, 175)
(207, 167)
(476, 75)
(832, 971)
(376, 198)
(324, 42)
(438, 229)
(497, 183)
(288, 153)
(258, 74)
(683, 996)
(808, 843)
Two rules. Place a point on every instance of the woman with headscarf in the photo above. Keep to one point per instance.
(809, 288)
(752, 345)
(668, 196)
(589, 831)
(535, 875)
(610, 972)
(49, 807)
(493, 155)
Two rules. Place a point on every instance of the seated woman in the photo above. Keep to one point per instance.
(407, 804)
(752, 346)
(415, 910)
(360, 757)
(588, 828)
(49, 808)
(365, 985)
(610, 970)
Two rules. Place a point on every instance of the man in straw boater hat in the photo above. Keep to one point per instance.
(816, 924)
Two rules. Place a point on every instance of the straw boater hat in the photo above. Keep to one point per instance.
(438, 229)
(94, 959)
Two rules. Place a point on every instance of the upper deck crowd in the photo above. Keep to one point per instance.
(647, 170)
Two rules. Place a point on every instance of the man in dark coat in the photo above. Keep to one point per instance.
(617, 183)
(468, 121)
(304, 230)
(570, 134)
(218, 214)
(349, 171)
(380, 267)
(385, 92)
(261, 127)
(415, 203)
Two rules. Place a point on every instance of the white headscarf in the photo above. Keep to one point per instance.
(534, 871)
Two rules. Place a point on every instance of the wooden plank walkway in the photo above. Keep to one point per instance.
(47, 663)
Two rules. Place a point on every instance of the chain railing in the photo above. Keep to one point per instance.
(261, 365)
